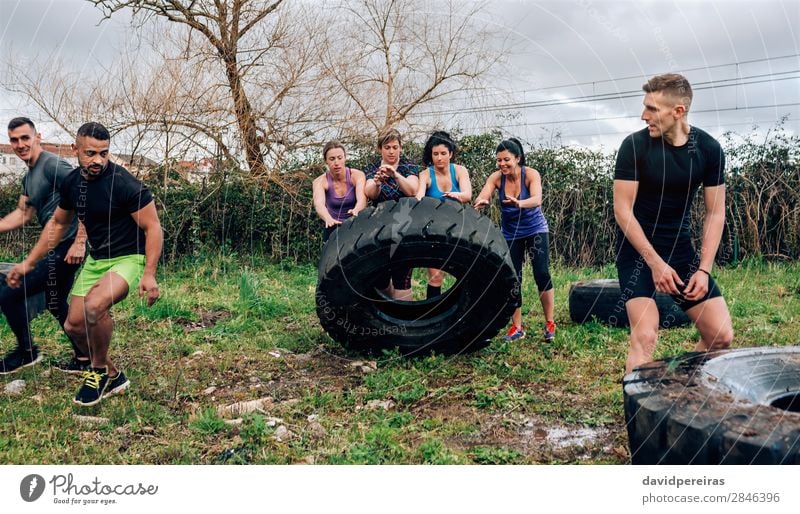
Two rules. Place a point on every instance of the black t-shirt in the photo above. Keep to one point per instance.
(105, 205)
(669, 177)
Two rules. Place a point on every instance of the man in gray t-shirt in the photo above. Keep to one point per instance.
(55, 274)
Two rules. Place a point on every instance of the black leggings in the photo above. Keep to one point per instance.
(537, 246)
(53, 276)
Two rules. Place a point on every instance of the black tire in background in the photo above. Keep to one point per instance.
(417, 234)
(727, 407)
(35, 303)
(602, 299)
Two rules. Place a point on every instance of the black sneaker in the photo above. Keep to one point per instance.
(94, 385)
(74, 366)
(18, 358)
(117, 385)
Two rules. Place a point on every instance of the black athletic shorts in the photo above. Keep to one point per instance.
(636, 277)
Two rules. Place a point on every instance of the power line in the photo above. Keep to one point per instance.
(717, 84)
(635, 116)
(631, 77)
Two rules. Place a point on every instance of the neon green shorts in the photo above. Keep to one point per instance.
(129, 267)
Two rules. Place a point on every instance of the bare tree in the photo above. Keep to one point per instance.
(392, 57)
(226, 26)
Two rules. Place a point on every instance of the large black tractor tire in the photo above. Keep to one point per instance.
(418, 234)
(601, 299)
(725, 407)
(35, 303)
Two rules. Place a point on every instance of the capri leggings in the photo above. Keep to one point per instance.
(537, 246)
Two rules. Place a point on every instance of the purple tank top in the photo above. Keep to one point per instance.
(518, 223)
(339, 205)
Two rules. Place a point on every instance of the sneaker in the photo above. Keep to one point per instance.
(95, 381)
(514, 333)
(117, 385)
(549, 332)
(18, 358)
(74, 366)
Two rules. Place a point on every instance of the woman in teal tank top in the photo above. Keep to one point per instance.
(445, 181)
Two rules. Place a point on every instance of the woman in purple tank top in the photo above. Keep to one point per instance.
(339, 192)
(524, 227)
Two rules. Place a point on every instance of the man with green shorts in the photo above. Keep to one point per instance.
(125, 240)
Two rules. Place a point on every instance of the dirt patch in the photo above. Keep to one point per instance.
(208, 318)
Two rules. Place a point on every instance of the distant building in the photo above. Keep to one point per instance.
(12, 167)
(138, 165)
(195, 171)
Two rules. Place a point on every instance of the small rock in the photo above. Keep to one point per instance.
(15, 387)
(367, 369)
(271, 422)
(93, 420)
(282, 434)
(37, 397)
(148, 430)
(316, 430)
(209, 390)
(198, 353)
(380, 404)
(356, 364)
(312, 417)
(371, 364)
(254, 380)
(239, 408)
(275, 354)
(234, 422)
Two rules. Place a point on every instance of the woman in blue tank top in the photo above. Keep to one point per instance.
(445, 181)
(339, 192)
(524, 227)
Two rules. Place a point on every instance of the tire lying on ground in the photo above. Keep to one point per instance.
(35, 303)
(418, 234)
(602, 299)
(727, 407)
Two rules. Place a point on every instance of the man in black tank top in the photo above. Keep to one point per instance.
(657, 174)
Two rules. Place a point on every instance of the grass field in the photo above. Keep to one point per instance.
(230, 330)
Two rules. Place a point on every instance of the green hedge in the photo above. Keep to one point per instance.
(235, 213)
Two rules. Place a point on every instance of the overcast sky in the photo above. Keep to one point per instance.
(741, 56)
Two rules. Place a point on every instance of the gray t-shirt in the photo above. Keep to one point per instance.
(41, 185)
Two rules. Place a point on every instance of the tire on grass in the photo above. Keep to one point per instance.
(602, 299)
(417, 234)
(726, 407)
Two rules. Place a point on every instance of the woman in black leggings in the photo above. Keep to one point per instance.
(524, 227)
